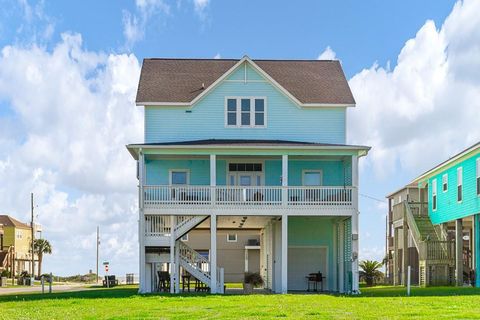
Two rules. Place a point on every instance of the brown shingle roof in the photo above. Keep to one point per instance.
(8, 221)
(180, 80)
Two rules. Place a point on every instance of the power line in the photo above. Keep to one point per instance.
(372, 198)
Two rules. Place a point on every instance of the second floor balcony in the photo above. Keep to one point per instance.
(248, 178)
(164, 198)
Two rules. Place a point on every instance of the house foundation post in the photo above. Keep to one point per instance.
(172, 254)
(355, 231)
(284, 260)
(459, 252)
(213, 253)
(141, 223)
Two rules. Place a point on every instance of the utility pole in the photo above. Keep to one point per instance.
(33, 238)
(98, 244)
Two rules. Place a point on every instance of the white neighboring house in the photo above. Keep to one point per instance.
(235, 144)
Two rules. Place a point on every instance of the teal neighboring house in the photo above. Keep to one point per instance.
(233, 144)
(453, 192)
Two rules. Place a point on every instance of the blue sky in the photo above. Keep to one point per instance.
(69, 70)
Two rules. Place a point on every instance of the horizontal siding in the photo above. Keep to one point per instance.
(207, 118)
(448, 208)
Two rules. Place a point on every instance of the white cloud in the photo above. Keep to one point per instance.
(65, 141)
(427, 107)
(134, 24)
(36, 25)
(200, 6)
(217, 56)
(327, 54)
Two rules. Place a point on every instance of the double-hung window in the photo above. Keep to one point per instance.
(445, 182)
(245, 112)
(434, 194)
(459, 184)
(478, 176)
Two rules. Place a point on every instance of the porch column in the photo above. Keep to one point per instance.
(284, 179)
(284, 263)
(172, 254)
(355, 214)
(213, 253)
(213, 177)
(459, 252)
(141, 223)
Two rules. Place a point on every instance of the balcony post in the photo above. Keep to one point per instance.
(141, 223)
(284, 179)
(355, 180)
(213, 178)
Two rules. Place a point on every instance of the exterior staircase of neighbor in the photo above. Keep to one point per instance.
(436, 254)
(158, 232)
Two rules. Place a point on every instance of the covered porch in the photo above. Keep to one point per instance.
(288, 251)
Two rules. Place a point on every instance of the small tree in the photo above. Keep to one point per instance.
(41, 247)
(370, 271)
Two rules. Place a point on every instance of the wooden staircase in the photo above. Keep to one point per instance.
(436, 254)
(158, 231)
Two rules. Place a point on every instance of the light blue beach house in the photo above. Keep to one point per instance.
(236, 144)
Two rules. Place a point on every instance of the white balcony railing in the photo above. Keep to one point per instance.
(164, 196)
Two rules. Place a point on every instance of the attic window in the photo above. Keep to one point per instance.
(245, 112)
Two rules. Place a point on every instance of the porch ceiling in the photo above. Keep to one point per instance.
(239, 222)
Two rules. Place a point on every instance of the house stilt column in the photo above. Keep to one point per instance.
(355, 233)
(405, 261)
(459, 252)
(213, 253)
(284, 260)
(172, 254)
(141, 224)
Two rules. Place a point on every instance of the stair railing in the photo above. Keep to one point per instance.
(417, 237)
(195, 259)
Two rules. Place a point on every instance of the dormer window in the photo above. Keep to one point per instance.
(247, 112)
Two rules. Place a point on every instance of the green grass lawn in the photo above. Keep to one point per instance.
(124, 303)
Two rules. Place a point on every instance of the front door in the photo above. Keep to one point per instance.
(245, 174)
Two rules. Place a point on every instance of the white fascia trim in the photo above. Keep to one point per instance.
(132, 148)
(259, 70)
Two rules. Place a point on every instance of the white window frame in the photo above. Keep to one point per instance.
(434, 195)
(314, 171)
(171, 171)
(445, 182)
(228, 237)
(252, 112)
(184, 238)
(460, 182)
(477, 176)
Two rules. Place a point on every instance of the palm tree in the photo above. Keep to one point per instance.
(370, 271)
(41, 246)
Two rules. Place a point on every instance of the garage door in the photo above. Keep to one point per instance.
(301, 262)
